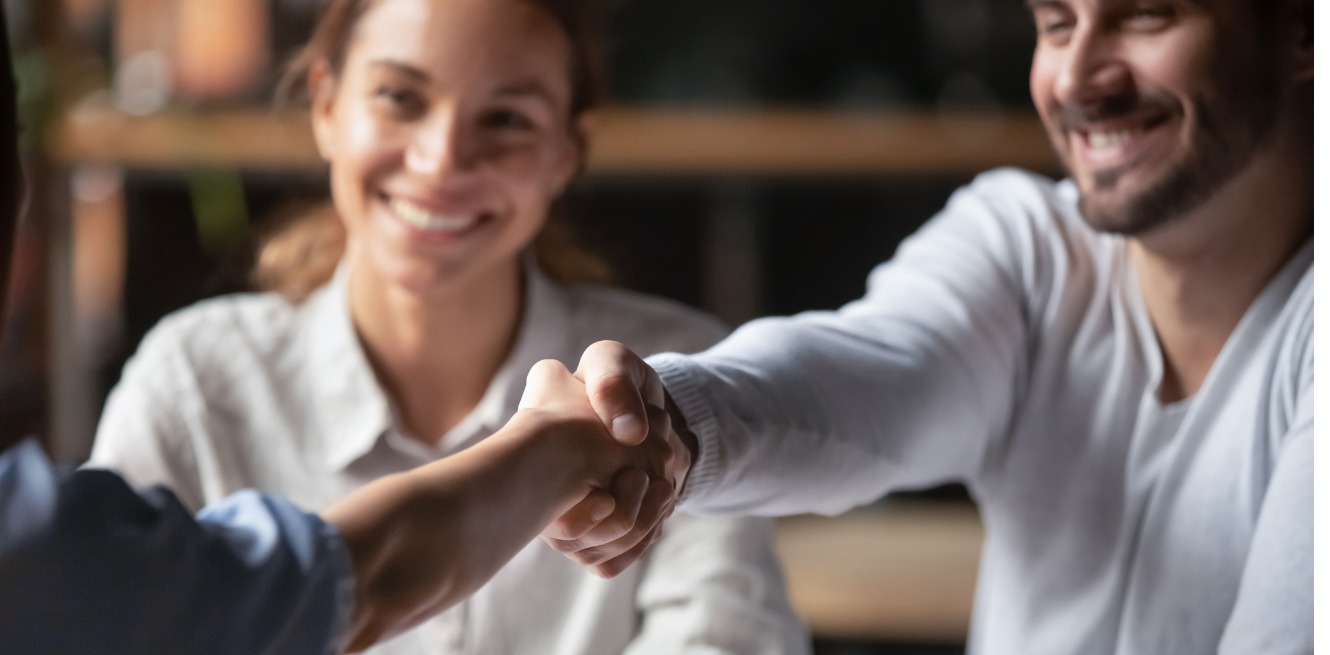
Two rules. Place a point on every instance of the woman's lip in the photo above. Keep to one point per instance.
(425, 235)
(424, 218)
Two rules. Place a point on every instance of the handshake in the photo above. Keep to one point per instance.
(631, 444)
(592, 461)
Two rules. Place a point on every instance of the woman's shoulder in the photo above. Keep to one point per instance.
(645, 323)
(223, 333)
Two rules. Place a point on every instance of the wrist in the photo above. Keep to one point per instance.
(680, 426)
(571, 454)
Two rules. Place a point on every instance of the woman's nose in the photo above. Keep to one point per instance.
(439, 145)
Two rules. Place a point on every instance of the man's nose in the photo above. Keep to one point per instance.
(1092, 69)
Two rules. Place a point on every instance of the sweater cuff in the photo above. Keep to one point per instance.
(677, 373)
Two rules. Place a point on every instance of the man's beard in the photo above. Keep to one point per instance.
(1215, 158)
(1221, 147)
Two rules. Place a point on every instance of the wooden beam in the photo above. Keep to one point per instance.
(628, 141)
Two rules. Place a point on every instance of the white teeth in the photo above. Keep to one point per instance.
(1098, 140)
(417, 216)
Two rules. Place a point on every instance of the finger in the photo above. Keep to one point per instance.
(589, 512)
(614, 567)
(630, 489)
(658, 504)
(620, 385)
(670, 454)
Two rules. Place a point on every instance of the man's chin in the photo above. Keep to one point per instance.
(1118, 201)
(1125, 216)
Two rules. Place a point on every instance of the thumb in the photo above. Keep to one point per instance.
(620, 386)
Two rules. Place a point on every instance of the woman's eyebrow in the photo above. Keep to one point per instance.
(401, 68)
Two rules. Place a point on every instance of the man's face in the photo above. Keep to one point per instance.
(1153, 105)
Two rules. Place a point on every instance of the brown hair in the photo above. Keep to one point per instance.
(302, 252)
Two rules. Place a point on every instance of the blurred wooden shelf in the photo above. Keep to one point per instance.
(628, 141)
(904, 573)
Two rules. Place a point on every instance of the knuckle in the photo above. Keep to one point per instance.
(568, 545)
(611, 385)
(544, 371)
(617, 526)
(587, 557)
(549, 367)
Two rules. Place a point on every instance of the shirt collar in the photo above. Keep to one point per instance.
(356, 413)
(352, 408)
(545, 333)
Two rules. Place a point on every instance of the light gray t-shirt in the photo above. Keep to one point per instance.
(1006, 347)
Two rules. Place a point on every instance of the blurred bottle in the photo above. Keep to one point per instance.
(191, 51)
(222, 49)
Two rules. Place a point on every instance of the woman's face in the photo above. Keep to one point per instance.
(448, 135)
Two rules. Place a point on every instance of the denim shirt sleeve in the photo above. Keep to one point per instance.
(89, 565)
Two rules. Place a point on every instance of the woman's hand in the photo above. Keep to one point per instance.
(630, 401)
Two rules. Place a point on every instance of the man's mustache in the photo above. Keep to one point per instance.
(1124, 105)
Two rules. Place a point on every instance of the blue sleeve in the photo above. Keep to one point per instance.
(89, 565)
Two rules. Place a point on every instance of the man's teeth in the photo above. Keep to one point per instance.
(1098, 140)
(417, 216)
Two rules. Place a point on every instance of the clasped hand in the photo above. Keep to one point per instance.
(612, 528)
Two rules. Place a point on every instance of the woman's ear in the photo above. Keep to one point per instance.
(584, 127)
(322, 85)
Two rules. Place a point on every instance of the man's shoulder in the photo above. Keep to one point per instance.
(1017, 194)
(1027, 224)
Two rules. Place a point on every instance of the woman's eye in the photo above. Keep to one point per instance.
(400, 100)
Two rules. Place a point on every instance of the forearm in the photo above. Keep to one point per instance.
(800, 415)
(423, 540)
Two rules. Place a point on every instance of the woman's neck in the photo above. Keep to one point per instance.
(435, 354)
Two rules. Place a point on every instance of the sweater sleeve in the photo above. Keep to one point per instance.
(909, 386)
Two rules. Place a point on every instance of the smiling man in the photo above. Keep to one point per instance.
(1117, 365)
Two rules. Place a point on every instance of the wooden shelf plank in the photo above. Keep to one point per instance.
(629, 141)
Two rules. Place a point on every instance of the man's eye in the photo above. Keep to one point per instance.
(1148, 18)
(504, 119)
(1053, 25)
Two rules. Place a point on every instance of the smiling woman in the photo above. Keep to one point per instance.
(301, 253)
(449, 128)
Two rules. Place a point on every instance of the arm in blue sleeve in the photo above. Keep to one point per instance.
(89, 565)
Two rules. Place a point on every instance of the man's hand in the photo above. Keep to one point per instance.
(628, 397)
